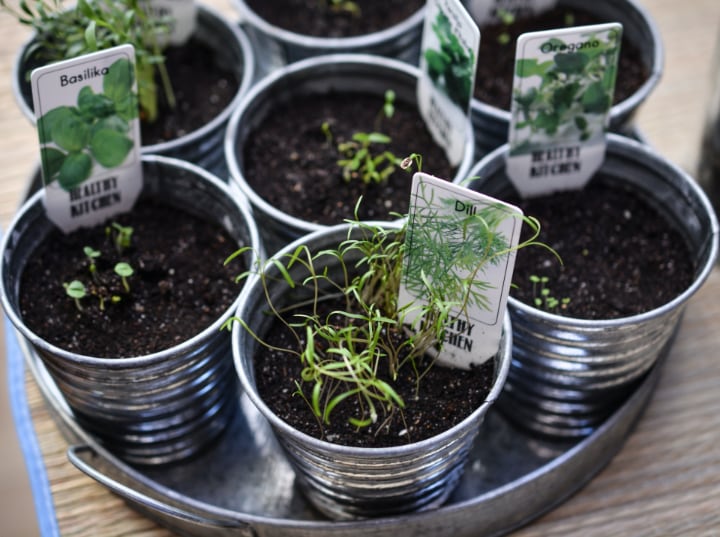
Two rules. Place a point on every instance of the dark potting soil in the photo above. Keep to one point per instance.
(179, 286)
(620, 257)
(446, 397)
(203, 89)
(290, 163)
(320, 19)
(495, 88)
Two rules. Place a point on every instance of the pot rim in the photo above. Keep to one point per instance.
(332, 44)
(622, 108)
(637, 151)
(275, 78)
(502, 368)
(132, 361)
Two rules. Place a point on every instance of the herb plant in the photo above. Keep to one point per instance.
(341, 6)
(74, 138)
(63, 33)
(343, 350)
(363, 157)
(108, 279)
(451, 67)
(542, 296)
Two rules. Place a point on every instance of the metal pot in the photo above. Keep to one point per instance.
(567, 374)
(276, 47)
(202, 146)
(353, 482)
(351, 73)
(161, 407)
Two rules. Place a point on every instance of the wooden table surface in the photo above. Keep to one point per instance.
(665, 480)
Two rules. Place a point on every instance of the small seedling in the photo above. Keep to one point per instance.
(507, 18)
(360, 161)
(92, 254)
(342, 6)
(124, 270)
(75, 290)
(542, 296)
(122, 236)
(325, 128)
(388, 109)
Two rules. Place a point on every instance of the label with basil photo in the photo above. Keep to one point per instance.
(89, 133)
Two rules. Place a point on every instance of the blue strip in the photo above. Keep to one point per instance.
(44, 507)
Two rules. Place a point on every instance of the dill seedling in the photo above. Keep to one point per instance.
(542, 296)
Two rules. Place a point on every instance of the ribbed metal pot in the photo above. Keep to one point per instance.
(161, 407)
(276, 47)
(567, 374)
(491, 123)
(203, 146)
(352, 482)
(350, 73)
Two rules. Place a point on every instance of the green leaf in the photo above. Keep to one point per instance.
(47, 123)
(114, 123)
(93, 106)
(570, 62)
(595, 99)
(118, 83)
(74, 170)
(71, 132)
(526, 67)
(52, 160)
(110, 147)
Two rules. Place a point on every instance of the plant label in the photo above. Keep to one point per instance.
(447, 74)
(562, 94)
(460, 245)
(493, 11)
(180, 16)
(89, 132)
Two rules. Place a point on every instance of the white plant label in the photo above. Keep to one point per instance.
(180, 16)
(462, 243)
(562, 94)
(89, 132)
(488, 11)
(447, 74)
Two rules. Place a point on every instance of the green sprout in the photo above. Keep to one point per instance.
(327, 132)
(362, 162)
(542, 296)
(124, 270)
(507, 18)
(342, 6)
(122, 236)
(92, 254)
(75, 290)
(388, 108)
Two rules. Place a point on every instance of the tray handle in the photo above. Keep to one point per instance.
(85, 458)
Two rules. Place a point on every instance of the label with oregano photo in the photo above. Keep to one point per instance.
(89, 133)
(562, 95)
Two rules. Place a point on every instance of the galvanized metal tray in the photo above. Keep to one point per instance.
(243, 486)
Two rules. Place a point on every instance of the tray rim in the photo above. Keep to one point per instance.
(169, 507)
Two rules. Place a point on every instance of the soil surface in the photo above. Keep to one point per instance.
(319, 18)
(620, 257)
(179, 285)
(447, 396)
(495, 88)
(289, 161)
(203, 89)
